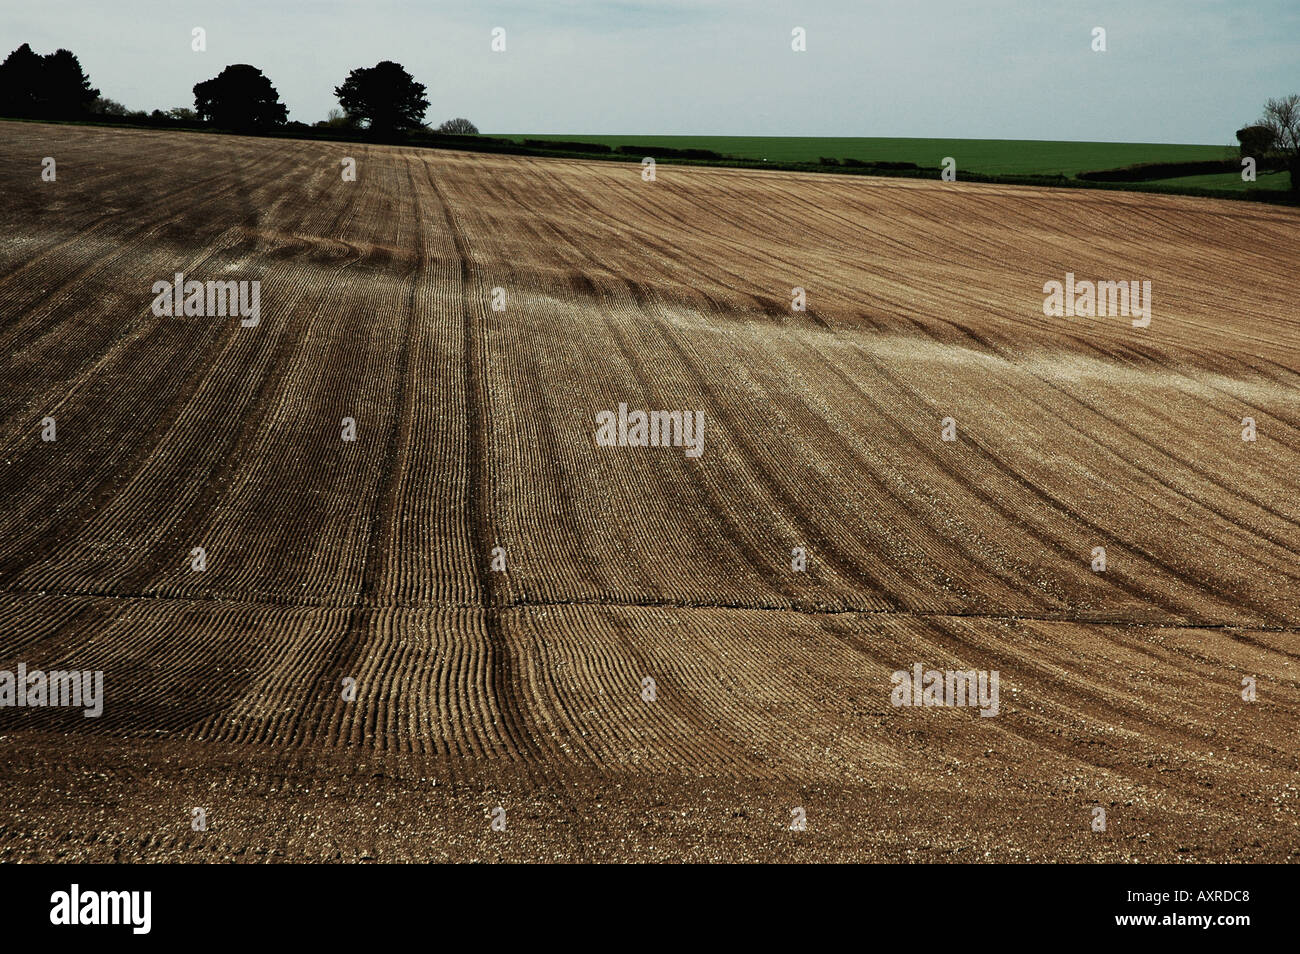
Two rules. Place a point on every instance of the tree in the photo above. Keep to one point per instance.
(337, 119)
(458, 127)
(240, 98)
(20, 83)
(103, 106)
(1256, 141)
(385, 96)
(1282, 119)
(66, 89)
(52, 86)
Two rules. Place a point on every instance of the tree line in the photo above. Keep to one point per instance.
(384, 99)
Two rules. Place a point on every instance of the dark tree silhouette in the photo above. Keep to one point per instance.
(66, 88)
(239, 98)
(458, 127)
(20, 83)
(1256, 141)
(52, 86)
(386, 96)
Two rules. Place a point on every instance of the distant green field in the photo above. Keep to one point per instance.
(1268, 181)
(990, 156)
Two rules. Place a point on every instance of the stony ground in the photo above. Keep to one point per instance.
(497, 589)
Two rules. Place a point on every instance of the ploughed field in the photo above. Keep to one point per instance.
(379, 559)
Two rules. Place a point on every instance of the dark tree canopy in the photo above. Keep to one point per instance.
(458, 127)
(1256, 141)
(20, 82)
(385, 96)
(239, 97)
(52, 86)
(67, 88)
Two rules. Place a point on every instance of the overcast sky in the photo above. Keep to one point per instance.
(1188, 71)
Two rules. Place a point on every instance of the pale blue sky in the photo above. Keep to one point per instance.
(1175, 71)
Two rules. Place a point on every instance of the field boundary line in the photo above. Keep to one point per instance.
(798, 609)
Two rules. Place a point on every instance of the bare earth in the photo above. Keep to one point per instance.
(371, 559)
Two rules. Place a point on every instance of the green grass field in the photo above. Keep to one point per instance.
(990, 156)
(1267, 181)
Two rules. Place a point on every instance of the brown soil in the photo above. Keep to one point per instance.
(475, 429)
